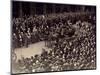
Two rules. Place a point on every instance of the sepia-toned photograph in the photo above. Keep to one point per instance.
(52, 37)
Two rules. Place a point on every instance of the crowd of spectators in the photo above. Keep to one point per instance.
(71, 37)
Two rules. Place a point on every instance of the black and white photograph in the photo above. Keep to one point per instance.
(52, 37)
